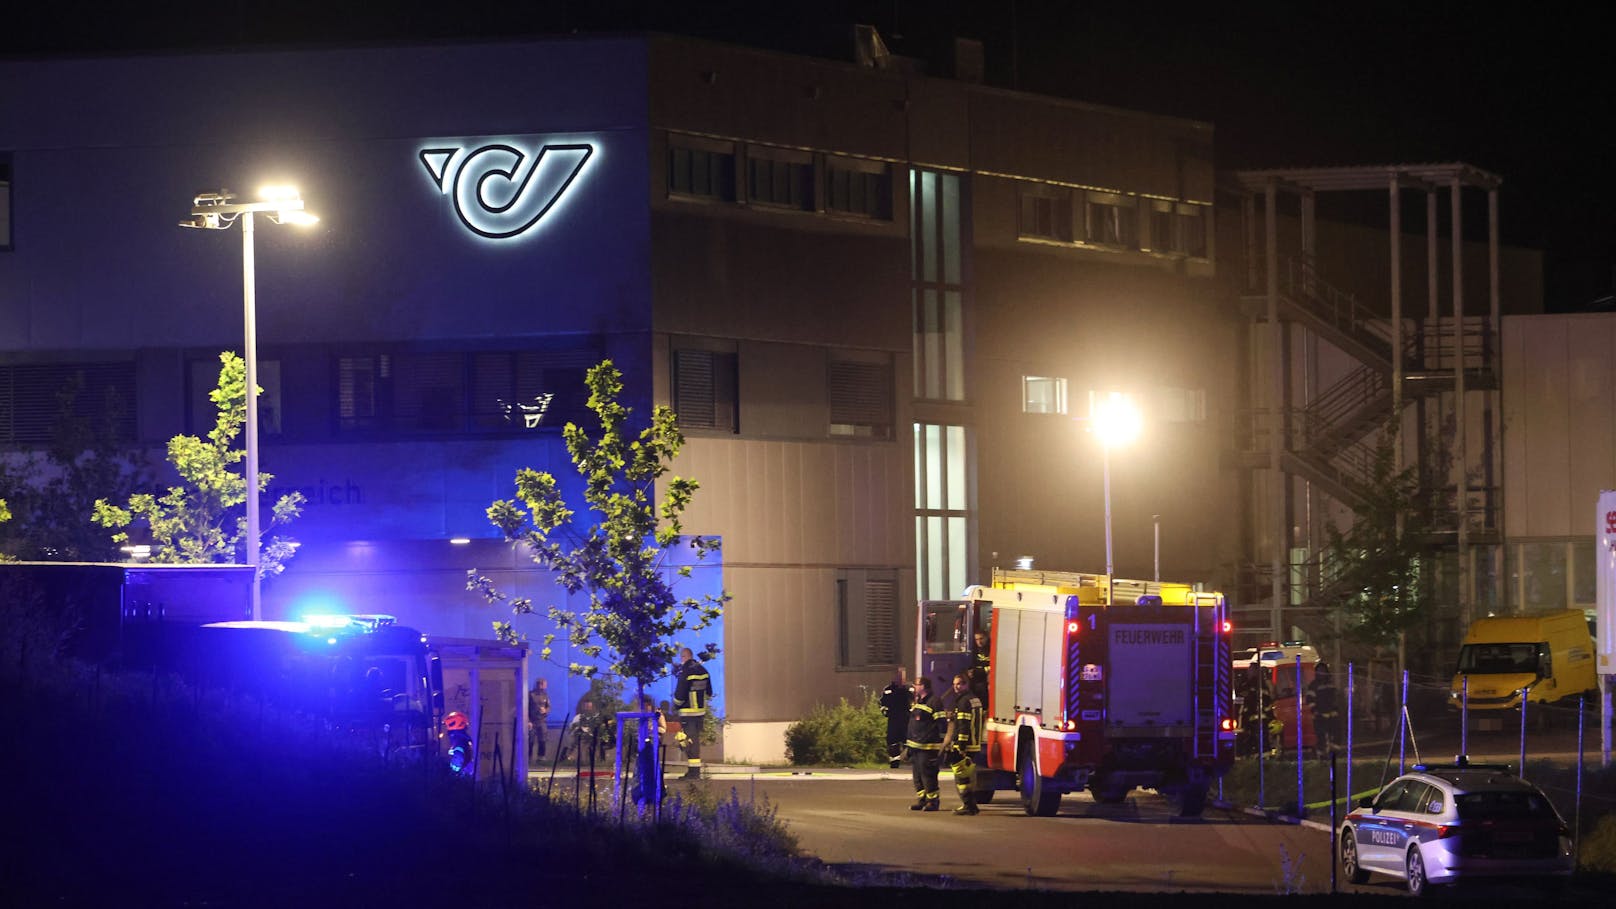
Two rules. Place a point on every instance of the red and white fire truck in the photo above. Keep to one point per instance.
(1094, 683)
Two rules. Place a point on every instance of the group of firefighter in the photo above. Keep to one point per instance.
(930, 730)
(1262, 728)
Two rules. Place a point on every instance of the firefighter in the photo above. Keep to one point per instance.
(690, 697)
(961, 739)
(981, 667)
(925, 745)
(896, 700)
(1321, 695)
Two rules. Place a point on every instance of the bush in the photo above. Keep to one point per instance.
(843, 734)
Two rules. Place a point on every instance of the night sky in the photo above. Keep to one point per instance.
(1298, 84)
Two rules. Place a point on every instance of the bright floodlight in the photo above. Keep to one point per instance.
(277, 193)
(1116, 420)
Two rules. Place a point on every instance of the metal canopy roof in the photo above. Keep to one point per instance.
(1419, 176)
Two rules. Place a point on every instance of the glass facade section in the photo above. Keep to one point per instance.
(942, 498)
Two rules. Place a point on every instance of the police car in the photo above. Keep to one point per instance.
(1446, 823)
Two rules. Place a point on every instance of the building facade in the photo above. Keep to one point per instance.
(880, 303)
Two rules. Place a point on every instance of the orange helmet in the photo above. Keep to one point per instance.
(456, 721)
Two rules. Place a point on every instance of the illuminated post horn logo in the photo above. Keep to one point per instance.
(500, 191)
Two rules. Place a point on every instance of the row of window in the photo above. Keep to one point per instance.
(706, 394)
(40, 400)
(1063, 215)
(782, 178)
(1048, 394)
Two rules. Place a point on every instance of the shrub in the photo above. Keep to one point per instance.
(843, 734)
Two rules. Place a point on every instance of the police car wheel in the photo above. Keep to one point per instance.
(1418, 885)
(1350, 867)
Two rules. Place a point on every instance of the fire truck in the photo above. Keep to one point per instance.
(1094, 683)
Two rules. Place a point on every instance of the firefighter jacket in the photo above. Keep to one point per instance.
(965, 722)
(694, 690)
(926, 721)
(896, 701)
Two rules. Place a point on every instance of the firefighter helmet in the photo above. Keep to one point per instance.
(456, 721)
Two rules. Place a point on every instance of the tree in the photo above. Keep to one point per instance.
(1382, 561)
(202, 519)
(53, 491)
(621, 559)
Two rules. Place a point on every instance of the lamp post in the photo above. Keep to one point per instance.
(1116, 421)
(217, 211)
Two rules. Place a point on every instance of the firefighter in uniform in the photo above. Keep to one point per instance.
(1321, 693)
(925, 745)
(896, 700)
(690, 697)
(961, 739)
(981, 666)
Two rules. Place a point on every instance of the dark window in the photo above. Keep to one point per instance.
(861, 399)
(1111, 220)
(866, 618)
(1178, 228)
(5, 201)
(703, 172)
(858, 188)
(1046, 214)
(705, 390)
(780, 182)
(38, 398)
(203, 414)
(409, 393)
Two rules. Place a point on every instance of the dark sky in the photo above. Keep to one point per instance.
(1297, 84)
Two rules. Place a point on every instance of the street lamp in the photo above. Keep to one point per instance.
(1116, 421)
(217, 211)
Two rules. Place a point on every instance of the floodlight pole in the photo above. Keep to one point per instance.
(217, 211)
(1110, 585)
(250, 354)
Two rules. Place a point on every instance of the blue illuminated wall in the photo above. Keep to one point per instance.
(475, 197)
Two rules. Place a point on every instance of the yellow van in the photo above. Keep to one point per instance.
(1551, 656)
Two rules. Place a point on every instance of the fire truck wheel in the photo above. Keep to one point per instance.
(1108, 795)
(983, 796)
(1036, 799)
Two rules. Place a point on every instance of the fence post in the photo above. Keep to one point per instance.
(1350, 683)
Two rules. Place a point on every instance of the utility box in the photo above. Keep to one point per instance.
(487, 681)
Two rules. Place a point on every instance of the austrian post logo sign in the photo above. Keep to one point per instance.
(502, 190)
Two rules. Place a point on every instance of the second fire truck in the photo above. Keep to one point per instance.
(1095, 683)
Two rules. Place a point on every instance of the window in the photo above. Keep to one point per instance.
(942, 514)
(1178, 228)
(779, 179)
(461, 392)
(937, 222)
(204, 414)
(866, 618)
(1046, 213)
(861, 399)
(701, 169)
(1181, 405)
(37, 400)
(5, 202)
(1109, 220)
(862, 188)
(705, 385)
(1043, 394)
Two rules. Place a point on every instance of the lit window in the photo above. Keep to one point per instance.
(1043, 394)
